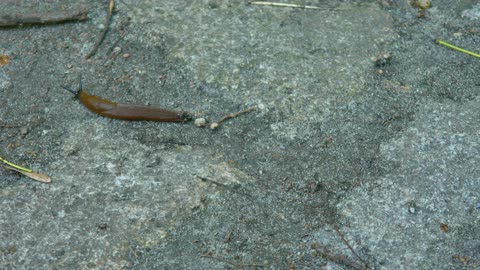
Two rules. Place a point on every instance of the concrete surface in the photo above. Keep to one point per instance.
(387, 153)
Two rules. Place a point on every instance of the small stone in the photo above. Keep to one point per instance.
(23, 131)
(200, 122)
(423, 4)
(117, 49)
(126, 55)
(457, 34)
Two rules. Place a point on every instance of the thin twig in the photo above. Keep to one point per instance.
(12, 165)
(215, 125)
(336, 258)
(350, 247)
(10, 126)
(205, 179)
(276, 4)
(111, 5)
(228, 237)
(453, 47)
(55, 17)
(238, 265)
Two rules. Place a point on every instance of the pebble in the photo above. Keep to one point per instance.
(199, 122)
(423, 4)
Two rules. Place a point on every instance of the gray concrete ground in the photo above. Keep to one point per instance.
(387, 153)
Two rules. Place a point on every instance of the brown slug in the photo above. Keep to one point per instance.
(116, 110)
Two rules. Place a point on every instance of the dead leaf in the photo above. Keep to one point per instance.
(32, 175)
(4, 59)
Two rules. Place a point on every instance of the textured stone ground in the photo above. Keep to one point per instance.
(386, 153)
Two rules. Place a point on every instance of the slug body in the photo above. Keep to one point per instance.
(115, 110)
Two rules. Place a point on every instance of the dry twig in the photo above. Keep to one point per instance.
(237, 265)
(205, 179)
(3, 125)
(350, 247)
(216, 124)
(56, 17)
(276, 4)
(111, 5)
(336, 258)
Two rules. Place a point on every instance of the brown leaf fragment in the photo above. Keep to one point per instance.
(32, 175)
(4, 59)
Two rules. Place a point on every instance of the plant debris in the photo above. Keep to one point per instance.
(276, 4)
(4, 59)
(54, 17)
(25, 171)
(453, 47)
(200, 122)
(111, 5)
